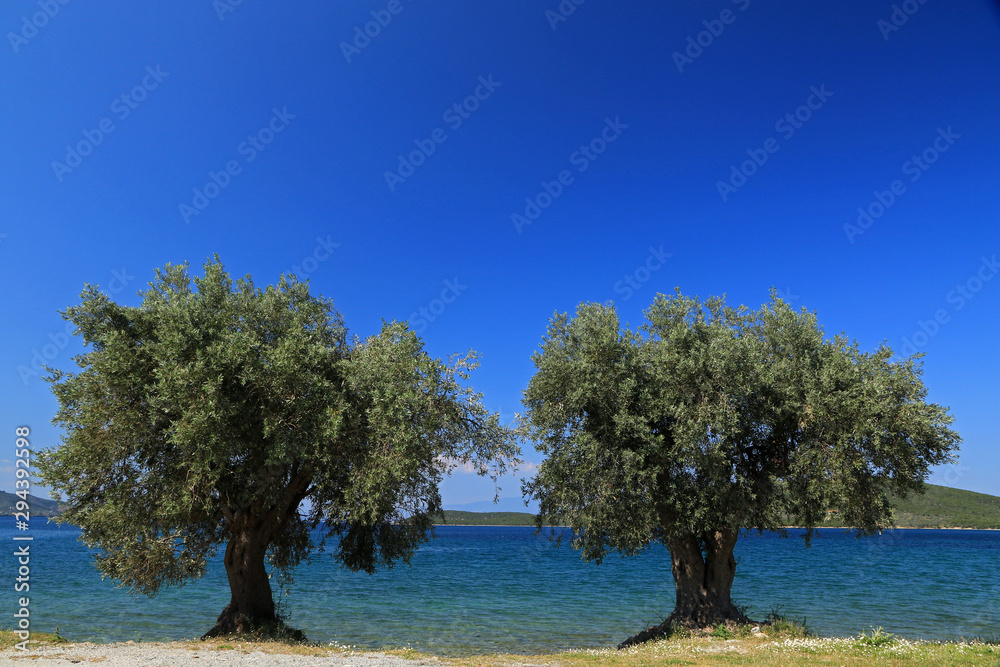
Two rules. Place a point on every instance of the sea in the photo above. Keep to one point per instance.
(483, 589)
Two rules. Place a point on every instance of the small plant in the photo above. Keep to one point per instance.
(776, 623)
(722, 632)
(878, 637)
(775, 614)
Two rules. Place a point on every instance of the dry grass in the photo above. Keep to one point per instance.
(711, 652)
(780, 648)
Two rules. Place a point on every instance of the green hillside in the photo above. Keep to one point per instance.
(944, 507)
(457, 518)
(39, 506)
(939, 507)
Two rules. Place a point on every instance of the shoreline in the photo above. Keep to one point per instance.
(709, 650)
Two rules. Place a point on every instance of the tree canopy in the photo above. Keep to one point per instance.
(710, 420)
(209, 413)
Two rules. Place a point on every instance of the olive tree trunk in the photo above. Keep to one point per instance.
(704, 568)
(251, 606)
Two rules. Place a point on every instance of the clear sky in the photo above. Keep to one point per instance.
(492, 163)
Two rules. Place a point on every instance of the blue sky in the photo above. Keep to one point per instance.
(492, 163)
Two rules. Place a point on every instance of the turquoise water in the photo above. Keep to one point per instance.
(491, 589)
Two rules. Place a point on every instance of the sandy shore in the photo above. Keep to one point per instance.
(130, 654)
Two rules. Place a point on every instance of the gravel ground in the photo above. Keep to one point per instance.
(175, 655)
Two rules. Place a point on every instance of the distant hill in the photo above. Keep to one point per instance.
(460, 518)
(504, 504)
(944, 507)
(939, 507)
(39, 506)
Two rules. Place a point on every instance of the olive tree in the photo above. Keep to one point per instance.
(217, 413)
(708, 421)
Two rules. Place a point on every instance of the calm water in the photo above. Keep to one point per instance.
(510, 590)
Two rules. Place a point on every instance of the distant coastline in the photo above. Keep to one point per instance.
(532, 525)
(940, 507)
(40, 507)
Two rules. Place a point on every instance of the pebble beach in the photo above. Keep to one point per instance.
(176, 654)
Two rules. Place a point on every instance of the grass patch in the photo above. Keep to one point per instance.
(8, 638)
(770, 647)
(711, 651)
(242, 644)
(722, 632)
(778, 625)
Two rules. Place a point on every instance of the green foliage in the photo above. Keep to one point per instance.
(720, 631)
(216, 407)
(9, 639)
(775, 614)
(877, 637)
(943, 507)
(776, 624)
(710, 417)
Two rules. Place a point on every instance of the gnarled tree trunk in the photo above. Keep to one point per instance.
(703, 570)
(251, 606)
(703, 567)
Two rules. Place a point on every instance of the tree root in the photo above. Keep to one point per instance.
(700, 623)
(240, 625)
